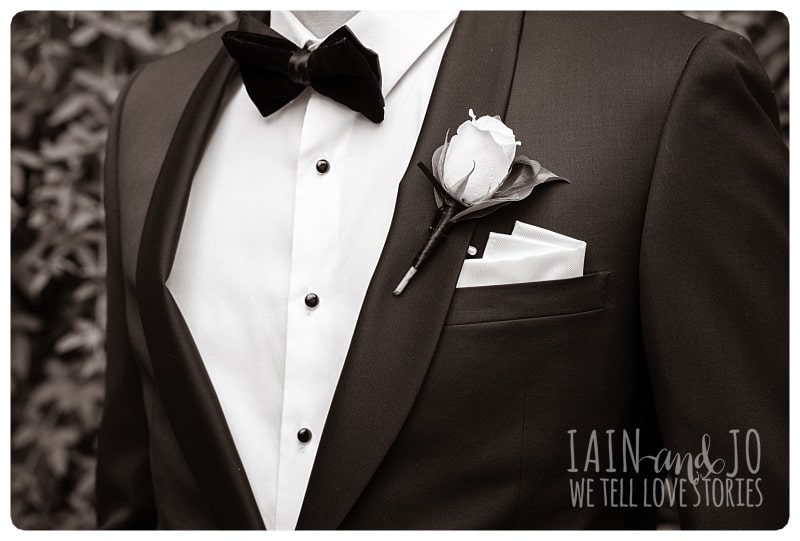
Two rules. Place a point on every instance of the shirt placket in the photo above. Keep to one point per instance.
(311, 304)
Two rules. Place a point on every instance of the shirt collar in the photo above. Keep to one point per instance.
(399, 37)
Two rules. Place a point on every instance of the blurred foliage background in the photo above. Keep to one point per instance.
(66, 71)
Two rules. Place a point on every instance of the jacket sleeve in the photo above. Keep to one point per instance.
(123, 482)
(714, 286)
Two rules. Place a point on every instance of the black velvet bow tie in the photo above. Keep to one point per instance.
(275, 70)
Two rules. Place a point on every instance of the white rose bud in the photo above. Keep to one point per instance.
(488, 145)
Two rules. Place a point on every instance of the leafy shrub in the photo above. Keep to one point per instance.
(66, 71)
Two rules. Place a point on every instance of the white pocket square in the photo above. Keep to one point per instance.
(528, 254)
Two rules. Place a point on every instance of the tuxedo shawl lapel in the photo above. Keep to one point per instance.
(186, 390)
(395, 337)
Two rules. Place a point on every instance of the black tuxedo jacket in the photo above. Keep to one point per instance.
(454, 405)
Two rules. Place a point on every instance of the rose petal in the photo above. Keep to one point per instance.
(457, 189)
(494, 124)
(437, 162)
(491, 163)
(501, 134)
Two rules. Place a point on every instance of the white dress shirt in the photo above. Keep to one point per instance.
(264, 228)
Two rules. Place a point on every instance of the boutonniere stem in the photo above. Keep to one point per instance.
(438, 233)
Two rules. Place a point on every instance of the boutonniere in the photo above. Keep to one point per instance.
(474, 174)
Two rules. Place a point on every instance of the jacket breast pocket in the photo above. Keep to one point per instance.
(537, 351)
(502, 344)
(508, 302)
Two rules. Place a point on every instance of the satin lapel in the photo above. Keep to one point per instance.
(186, 390)
(395, 337)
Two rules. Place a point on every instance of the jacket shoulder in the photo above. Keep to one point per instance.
(617, 40)
(166, 81)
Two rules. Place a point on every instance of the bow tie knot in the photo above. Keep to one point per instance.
(275, 70)
(298, 67)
